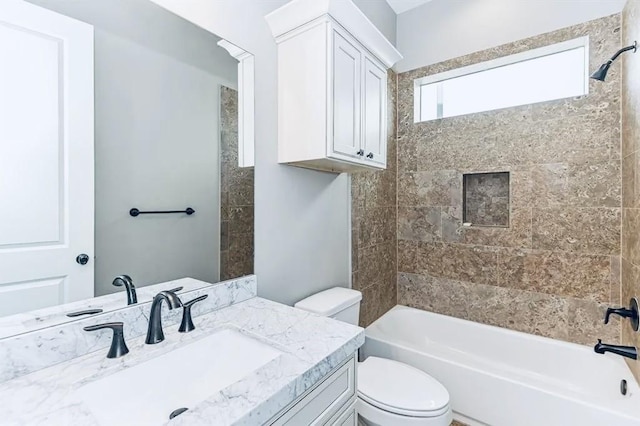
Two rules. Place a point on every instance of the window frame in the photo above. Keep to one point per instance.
(580, 42)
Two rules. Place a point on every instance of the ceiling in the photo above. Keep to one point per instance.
(400, 6)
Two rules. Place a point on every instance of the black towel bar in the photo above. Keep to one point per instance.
(135, 212)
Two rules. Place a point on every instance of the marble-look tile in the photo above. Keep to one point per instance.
(550, 184)
(378, 299)
(377, 226)
(578, 230)
(631, 235)
(407, 153)
(586, 323)
(593, 180)
(419, 223)
(240, 220)
(355, 247)
(224, 235)
(630, 182)
(518, 234)
(407, 190)
(438, 188)
(562, 274)
(377, 264)
(535, 313)
(228, 109)
(475, 264)
(616, 281)
(241, 192)
(407, 251)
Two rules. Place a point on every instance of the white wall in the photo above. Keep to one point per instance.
(445, 29)
(302, 216)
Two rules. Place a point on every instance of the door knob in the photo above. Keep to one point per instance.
(82, 259)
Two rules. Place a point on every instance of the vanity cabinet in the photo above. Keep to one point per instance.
(330, 402)
(332, 86)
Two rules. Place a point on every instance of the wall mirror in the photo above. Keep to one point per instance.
(119, 153)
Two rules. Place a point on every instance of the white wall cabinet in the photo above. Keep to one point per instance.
(332, 86)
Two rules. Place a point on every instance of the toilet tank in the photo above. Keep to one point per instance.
(340, 303)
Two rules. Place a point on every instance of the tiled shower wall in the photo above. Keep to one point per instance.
(236, 195)
(556, 267)
(373, 224)
(631, 171)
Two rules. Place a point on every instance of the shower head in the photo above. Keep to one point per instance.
(601, 73)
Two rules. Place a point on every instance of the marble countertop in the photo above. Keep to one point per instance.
(311, 345)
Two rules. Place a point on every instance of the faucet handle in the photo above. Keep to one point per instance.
(187, 322)
(118, 345)
(631, 313)
(623, 312)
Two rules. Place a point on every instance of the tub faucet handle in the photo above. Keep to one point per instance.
(631, 313)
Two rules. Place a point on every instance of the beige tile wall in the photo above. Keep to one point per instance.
(630, 170)
(236, 195)
(373, 223)
(557, 266)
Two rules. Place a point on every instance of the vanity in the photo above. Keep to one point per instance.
(249, 361)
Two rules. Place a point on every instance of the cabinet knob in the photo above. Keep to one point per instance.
(370, 155)
(360, 152)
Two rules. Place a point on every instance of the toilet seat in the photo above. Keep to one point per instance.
(398, 388)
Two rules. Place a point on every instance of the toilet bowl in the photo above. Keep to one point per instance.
(390, 393)
(394, 393)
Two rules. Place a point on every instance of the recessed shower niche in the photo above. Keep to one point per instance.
(486, 199)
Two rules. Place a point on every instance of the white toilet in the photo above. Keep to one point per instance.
(390, 393)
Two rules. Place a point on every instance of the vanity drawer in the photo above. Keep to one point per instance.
(347, 418)
(325, 400)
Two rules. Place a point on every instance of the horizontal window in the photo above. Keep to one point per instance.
(552, 72)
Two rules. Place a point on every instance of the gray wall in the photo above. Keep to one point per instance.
(157, 80)
(156, 149)
(302, 216)
(446, 29)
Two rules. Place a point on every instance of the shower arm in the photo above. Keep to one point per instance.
(633, 47)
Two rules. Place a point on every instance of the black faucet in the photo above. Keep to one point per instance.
(187, 322)
(627, 351)
(631, 313)
(118, 345)
(126, 280)
(154, 332)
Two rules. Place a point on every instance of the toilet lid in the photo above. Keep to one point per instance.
(399, 388)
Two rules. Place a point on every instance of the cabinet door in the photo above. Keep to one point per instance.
(375, 112)
(346, 96)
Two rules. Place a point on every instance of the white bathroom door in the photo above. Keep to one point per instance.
(46, 158)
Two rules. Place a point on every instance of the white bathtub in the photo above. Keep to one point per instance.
(501, 377)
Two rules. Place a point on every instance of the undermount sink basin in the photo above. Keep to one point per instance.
(146, 394)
